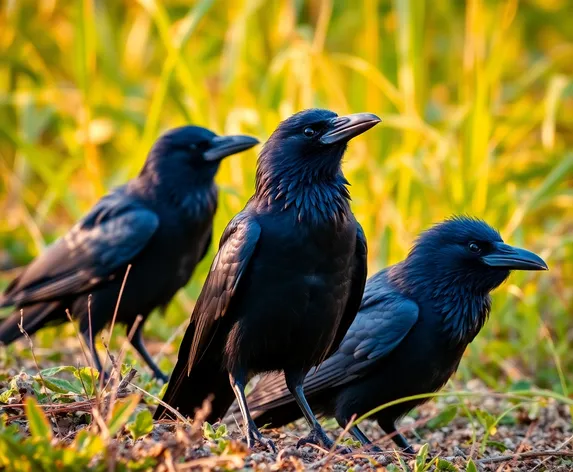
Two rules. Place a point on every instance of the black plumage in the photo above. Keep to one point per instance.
(287, 280)
(160, 223)
(415, 321)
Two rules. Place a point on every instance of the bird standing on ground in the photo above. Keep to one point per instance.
(288, 278)
(416, 319)
(160, 223)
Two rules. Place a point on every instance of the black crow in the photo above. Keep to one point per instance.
(159, 223)
(288, 278)
(415, 321)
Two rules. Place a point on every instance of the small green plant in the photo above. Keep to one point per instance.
(497, 445)
(88, 377)
(49, 385)
(443, 465)
(471, 466)
(489, 423)
(141, 426)
(41, 451)
(120, 413)
(403, 467)
(395, 468)
(37, 452)
(218, 437)
(422, 464)
(39, 425)
(350, 442)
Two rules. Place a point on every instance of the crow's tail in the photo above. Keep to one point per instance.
(186, 394)
(33, 318)
(187, 391)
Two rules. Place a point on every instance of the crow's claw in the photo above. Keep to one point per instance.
(317, 436)
(253, 436)
(373, 448)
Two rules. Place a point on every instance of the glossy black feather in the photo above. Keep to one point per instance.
(160, 223)
(109, 237)
(415, 321)
(287, 280)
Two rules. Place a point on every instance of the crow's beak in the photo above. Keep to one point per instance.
(344, 128)
(508, 257)
(223, 146)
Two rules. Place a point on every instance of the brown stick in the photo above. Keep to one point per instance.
(524, 455)
(561, 446)
(27, 336)
(114, 318)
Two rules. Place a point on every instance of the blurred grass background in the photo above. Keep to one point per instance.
(476, 98)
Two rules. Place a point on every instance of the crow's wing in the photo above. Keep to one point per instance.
(384, 320)
(357, 284)
(108, 238)
(238, 243)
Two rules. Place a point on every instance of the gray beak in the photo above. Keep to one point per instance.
(344, 128)
(508, 257)
(223, 146)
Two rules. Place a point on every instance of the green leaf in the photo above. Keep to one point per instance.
(498, 445)
(403, 464)
(89, 444)
(38, 423)
(221, 431)
(88, 376)
(208, 431)
(393, 468)
(350, 442)
(471, 467)
(445, 466)
(59, 385)
(121, 412)
(7, 394)
(443, 418)
(221, 446)
(142, 425)
(125, 369)
(487, 420)
(421, 458)
(56, 370)
(163, 390)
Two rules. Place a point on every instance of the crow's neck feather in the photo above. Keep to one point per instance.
(460, 297)
(313, 185)
(193, 196)
(312, 197)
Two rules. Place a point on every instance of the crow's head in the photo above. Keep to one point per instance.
(194, 152)
(309, 146)
(470, 253)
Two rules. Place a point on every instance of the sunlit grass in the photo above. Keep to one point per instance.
(476, 102)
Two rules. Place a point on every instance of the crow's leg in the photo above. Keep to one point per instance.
(360, 436)
(252, 433)
(317, 435)
(137, 343)
(390, 429)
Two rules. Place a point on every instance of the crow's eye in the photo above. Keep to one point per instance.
(474, 247)
(309, 132)
(193, 147)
